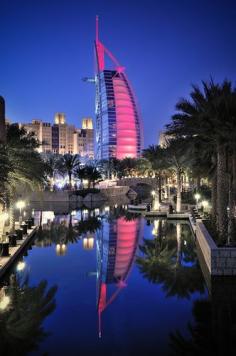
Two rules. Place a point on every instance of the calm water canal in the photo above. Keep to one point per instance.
(107, 282)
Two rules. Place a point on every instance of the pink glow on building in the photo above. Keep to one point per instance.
(122, 138)
(126, 135)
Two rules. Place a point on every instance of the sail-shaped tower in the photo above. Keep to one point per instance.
(118, 122)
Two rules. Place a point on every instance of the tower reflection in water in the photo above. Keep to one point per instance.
(116, 248)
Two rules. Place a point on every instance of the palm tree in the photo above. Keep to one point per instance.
(68, 165)
(21, 323)
(109, 167)
(176, 159)
(91, 225)
(52, 163)
(127, 167)
(89, 173)
(2, 121)
(23, 165)
(162, 264)
(211, 115)
(156, 156)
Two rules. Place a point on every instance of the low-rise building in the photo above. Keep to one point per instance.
(62, 138)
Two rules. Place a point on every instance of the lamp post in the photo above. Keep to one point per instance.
(204, 205)
(3, 217)
(20, 205)
(156, 204)
(197, 196)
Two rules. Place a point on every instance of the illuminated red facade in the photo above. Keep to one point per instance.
(118, 123)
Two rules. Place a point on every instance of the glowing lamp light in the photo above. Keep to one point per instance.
(20, 204)
(107, 209)
(4, 302)
(4, 216)
(153, 193)
(20, 266)
(154, 231)
(205, 203)
(88, 243)
(197, 196)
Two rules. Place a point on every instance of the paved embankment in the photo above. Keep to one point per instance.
(6, 262)
(220, 261)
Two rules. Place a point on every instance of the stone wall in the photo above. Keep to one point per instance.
(134, 181)
(219, 260)
(114, 191)
(65, 196)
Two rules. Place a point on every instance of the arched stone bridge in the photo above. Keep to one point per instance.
(131, 182)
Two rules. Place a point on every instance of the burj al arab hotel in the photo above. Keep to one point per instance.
(118, 123)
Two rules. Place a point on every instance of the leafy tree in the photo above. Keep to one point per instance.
(22, 165)
(68, 164)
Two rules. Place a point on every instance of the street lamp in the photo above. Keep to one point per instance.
(20, 205)
(197, 196)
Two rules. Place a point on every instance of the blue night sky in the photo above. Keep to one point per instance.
(46, 47)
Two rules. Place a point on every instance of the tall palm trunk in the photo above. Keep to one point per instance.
(214, 198)
(222, 193)
(231, 212)
(11, 213)
(2, 121)
(231, 222)
(159, 186)
(70, 178)
(178, 178)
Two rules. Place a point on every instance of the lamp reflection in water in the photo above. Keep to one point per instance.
(156, 227)
(4, 300)
(117, 244)
(20, 266)
(88, 243)
(61, 249)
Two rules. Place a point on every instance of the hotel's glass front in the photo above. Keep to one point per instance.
(118, 124)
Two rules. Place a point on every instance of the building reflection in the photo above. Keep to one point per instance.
(116, 248)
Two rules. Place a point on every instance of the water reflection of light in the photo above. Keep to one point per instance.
(61, 249)
(4, 302)
(20, 266)
(88, 243)
(155, 227)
